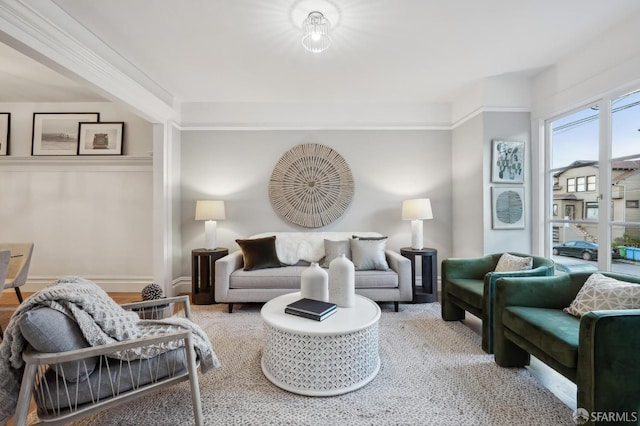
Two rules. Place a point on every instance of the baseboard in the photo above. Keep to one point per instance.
(181, 285)
(114, 284)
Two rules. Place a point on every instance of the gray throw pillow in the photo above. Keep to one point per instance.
(369, 255)
(51, 331)
(333, 249)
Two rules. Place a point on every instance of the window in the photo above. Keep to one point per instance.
(601, 169)
(555, 210)
(591, 211)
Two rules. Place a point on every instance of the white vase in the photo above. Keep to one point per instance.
(314, 283)
(342, 282)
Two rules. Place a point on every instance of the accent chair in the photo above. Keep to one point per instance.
(468, 285)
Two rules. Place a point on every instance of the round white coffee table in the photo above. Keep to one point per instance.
(320, 358)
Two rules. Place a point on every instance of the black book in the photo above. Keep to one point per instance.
(310, 316)
(310, 308)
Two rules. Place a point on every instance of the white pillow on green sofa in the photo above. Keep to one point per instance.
(600, 293)
(511, 263)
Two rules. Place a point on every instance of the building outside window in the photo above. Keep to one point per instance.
(600, 170)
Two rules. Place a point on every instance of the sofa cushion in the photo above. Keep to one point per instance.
(106, 381)
(51, 331)
(273, 278)
(369, 254)
(550, 330)
(259, 253)
(600, 292)
(468, 290)
(289, 278)
(333, 250)
(511, 263)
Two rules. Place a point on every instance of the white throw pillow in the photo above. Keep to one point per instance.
(369, 255)
(510, 263)
(600, 293)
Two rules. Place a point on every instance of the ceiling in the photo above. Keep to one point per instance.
(382, 50)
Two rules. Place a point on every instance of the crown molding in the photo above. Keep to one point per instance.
(45, 32)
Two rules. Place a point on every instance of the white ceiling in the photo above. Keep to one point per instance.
(382, 50)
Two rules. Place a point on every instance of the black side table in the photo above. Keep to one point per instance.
(203, 274)
(428, 292)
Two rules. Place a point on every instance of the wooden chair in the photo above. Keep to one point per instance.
(76, 383)
(18, 266)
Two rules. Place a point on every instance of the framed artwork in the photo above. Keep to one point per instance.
(507, 207)
(507, 162)
(5, 131)
(56, 133)
(100, 138)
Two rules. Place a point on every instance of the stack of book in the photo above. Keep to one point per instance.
(312, 309)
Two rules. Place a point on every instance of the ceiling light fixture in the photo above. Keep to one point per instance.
(315, 33)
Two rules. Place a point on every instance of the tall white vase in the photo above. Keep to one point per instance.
(314, 283)
(342, 282)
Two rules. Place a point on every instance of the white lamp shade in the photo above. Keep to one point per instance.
(210, 210)
(419, 208)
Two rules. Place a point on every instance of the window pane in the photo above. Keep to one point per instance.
(625, 125)
(626, 249)
(625, 190)
(575, 138)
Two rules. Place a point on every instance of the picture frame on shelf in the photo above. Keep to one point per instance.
(100, 138)
(5, 132)
(507, 161)
(56, 133)
(507, 207)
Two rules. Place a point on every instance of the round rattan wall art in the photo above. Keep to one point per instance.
(311, 185)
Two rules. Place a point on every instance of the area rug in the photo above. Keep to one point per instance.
(432, 373)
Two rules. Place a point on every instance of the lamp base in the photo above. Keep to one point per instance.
(416, 234)
(210, 234)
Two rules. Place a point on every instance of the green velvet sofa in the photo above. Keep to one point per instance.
(468, 283)
(600, 351)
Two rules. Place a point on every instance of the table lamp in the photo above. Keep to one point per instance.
(416, 211)
(210, 211)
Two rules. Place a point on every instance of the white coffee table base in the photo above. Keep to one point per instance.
(300, 358)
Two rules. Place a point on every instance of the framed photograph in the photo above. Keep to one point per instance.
(56, 133)
(507, 207)
(100, 138)
(507, 162)
(5, 131)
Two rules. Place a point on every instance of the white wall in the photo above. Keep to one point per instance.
(388, 167)
(472, 232)
(88, 216)
(468, 184)
(511, 126)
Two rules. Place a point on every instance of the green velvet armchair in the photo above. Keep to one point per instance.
(599, 351)
(468, 285)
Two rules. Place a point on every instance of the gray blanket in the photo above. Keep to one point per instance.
(101, 320)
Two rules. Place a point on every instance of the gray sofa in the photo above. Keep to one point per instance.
(296, 250)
